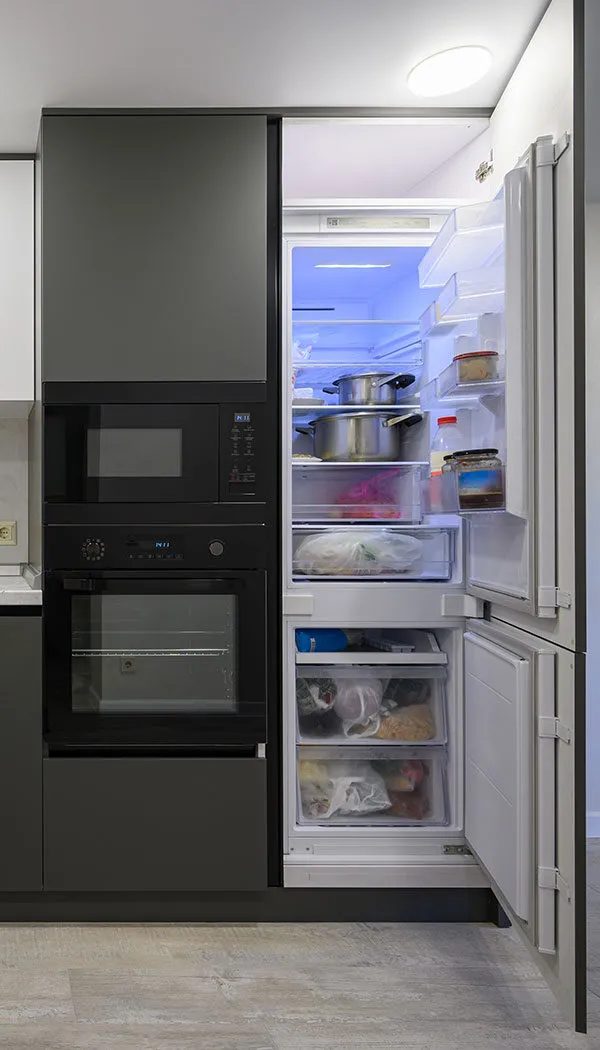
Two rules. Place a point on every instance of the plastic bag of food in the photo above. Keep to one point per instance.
(357, 552)
(370, 499)
(339, 788)
(405, 775)
(358, 703)
(315, 695)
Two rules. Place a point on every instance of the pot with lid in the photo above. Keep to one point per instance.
(359, 437)
(369, 388)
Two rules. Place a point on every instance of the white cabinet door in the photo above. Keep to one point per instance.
(522, 794)
(511, 555)
(16, 284)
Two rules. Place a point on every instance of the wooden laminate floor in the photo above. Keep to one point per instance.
(283, 987)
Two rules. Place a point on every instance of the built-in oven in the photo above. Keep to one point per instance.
(155, 638)
(149, 443)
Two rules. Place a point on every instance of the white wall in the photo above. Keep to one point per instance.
(456, 177)
(538, 98)
(592, 234)
(13, 487)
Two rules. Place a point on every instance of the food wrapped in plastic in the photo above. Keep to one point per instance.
(410, 807)
(412, 723)
(403, 775)
(358, 703)
(338, 788)
(315, 695)
(357, 552)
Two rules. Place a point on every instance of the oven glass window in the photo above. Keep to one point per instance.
(162, 654)
(132, 452)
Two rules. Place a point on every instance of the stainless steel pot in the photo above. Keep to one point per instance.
(369, 388)
(359, 437)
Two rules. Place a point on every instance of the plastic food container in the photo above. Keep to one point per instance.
(480, 366)
(479, 479)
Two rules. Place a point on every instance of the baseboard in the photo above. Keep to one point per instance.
(593, 824)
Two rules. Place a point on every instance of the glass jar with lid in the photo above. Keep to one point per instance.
(479, 479)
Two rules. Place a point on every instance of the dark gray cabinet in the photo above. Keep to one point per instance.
(21, 753)
(155, 824)
(154, 247)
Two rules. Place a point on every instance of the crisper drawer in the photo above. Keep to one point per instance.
(353, 492)
(387, 704)
(371, 786)
(348, 552)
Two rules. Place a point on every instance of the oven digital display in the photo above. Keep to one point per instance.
(149, 543)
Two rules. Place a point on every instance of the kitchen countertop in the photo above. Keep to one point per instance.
(20, 590)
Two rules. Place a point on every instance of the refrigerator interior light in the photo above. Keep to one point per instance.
(352, 266)
(448, 71)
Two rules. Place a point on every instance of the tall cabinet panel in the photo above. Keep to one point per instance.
(154, 247)
(21, 753)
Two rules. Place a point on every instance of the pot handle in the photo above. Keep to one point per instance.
(409, 419)
(399, 381)
(330, 390)
(305, 430)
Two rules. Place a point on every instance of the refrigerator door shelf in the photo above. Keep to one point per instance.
(470, 237)
(472, 293)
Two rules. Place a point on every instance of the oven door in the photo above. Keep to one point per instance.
(158, 660)
(134, 453)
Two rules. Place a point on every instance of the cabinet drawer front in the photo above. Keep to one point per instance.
(155, 824)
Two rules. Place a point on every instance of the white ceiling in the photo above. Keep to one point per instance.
(248, 53)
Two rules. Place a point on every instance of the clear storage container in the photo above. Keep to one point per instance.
(372, 786)
(392, 553)
(383, 704)
(328, 491)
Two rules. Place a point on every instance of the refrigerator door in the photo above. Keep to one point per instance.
(523, 794)
(511, 554)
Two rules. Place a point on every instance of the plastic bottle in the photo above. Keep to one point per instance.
(448, 438)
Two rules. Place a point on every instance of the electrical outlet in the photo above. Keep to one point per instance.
(8, 533)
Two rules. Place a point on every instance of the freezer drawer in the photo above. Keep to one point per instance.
(371, 786)
(392, 553)
(385, 703)
(155, 824)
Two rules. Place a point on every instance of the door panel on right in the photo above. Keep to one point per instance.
(523, 794)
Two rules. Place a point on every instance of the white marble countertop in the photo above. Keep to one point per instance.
(20, 590)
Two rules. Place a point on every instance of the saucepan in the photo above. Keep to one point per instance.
(369, 388)
(359, 437)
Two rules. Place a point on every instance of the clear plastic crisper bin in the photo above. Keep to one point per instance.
(385, 704)
(378, 553)
(372, 786)
(365, 493)
(470, 238)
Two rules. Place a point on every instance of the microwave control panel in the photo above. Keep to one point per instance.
(242, 453)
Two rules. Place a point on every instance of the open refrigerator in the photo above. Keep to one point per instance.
(423, 664)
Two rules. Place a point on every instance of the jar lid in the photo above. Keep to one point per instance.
(476, 353)
(447, 419)
(474, 452)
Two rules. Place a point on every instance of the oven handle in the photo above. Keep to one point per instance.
(98, 584)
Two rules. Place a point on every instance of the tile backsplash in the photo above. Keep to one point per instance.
(13, 487)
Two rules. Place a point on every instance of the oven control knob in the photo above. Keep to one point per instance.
(216, 548)
(92, 550)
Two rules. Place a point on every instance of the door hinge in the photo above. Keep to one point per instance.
(462, 605)
(450, 850)
(563, 144)
(554, 728)
(551, 879)
(553, 598)
(485, 169)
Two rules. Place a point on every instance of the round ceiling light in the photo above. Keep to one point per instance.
(449, 71)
